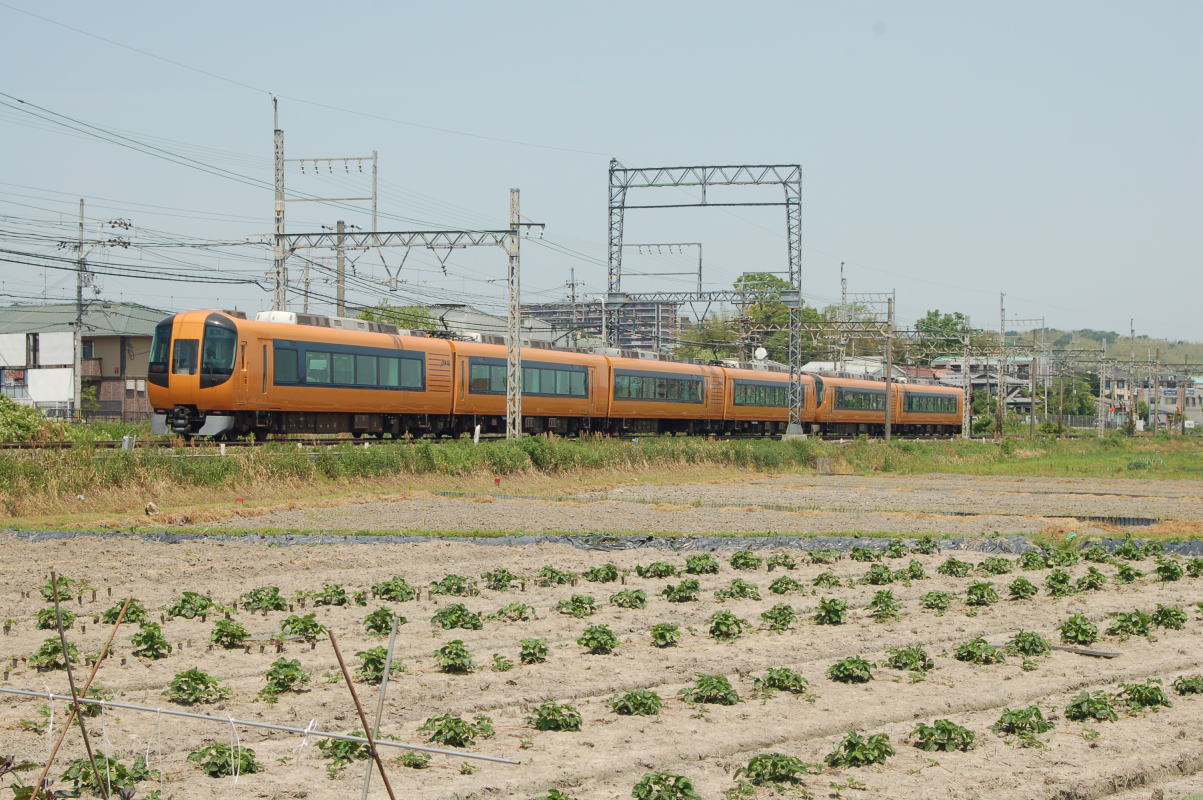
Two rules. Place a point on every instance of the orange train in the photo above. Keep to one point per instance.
(216, 373)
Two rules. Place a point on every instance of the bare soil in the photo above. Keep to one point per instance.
(1134, 757)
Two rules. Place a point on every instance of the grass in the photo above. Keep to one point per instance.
(88, 486)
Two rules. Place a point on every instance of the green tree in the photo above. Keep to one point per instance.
(416, 317)
(942, 333)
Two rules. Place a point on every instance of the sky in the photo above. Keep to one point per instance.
(950, 151)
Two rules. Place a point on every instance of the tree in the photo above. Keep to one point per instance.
(942, 333)
(415, 317)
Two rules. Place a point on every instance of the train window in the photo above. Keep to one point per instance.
(750, 393)
(217, 356)
(286, 365)
(657, 387)
(317, 367)
(160, 347)
(930, 403)
(342, 368)
(365, 370)
(411, 373)
(576, 384)
(390, 374)
(183, 361)
(860, 400)
(562, 381)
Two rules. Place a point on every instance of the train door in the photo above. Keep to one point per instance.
(260, 387)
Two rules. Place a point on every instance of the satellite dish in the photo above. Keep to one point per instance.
(760, 353)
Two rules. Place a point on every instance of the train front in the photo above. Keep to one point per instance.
(190, 375)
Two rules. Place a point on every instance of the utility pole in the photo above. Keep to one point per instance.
(889, 365)
(843, 317)
(81, 271)
(1102, 422)
(340, 269)
(1002, 365)
(1032, 390)
(967, 407)
(279, 270)
(1155, 386)
(513, 352)
(1132, 374)
(1061, 400)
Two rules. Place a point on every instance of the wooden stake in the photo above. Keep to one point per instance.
(363, 720)
(83, 729)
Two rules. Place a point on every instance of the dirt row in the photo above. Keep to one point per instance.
(611, 753)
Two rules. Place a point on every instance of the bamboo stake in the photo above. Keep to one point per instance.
(388, 668)
(363, 720)
(83, 729)
(104, 651)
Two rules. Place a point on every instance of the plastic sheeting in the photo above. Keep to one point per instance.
(1013, 545)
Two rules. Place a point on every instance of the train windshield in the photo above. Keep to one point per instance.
(219, 350)
(160, 353)
(183, 360)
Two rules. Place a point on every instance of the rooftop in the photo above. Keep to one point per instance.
(101, 318)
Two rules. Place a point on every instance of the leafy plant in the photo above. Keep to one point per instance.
(454, 585)
(454, 658)
(780, 679)
(884, 607)
(981, 593)
(501, 663)
(780, 617)
(413, 760)
(701, 564)
(746, 559)
(1168, 570)
(911, 659)
(665, 634)
(1092, 581)
(371, 665)
(1027, 643)
(855, 750)
(926, 545)
(1078, 630)
(686, 591)
(1126, 573)
(738, 589)
(955, 568)
(284, 675)
(1194, 567)
(783, 560)
(457, 615)
(553, 716)
(979, 651)
(46, 618)
(65, 585)
(896, 549)
(637, 702)
(771, 768)
(1096, 554)
(861, 553)
(602, 573)
(725, 626)
(1130, 550)
(831, 611)
(396, 590)
(878, 575)
(629, 598)
(1021, 589)
(1138, 696)
(1091, 706)
(148, 642)
(380, 621)
(1153, 548)
(306, 628)
(453, 731)
(598, 640)
(263, 598)
(1130, 623)
(579, 606)
(936, 601)
(826, 580)
(1033, 559)
(228, 634)
(340, 753)
(134, 614)
(943, 736)
(514, 612)
(1059, 584)
(1062, 558)
(825, 556)
(852, 669)
(913, 572)
(219, 760)
(550, 576)
(1025, 723)
(710, 689)
(192, 686)
(533, 651)
(113, 773)
(50, 655)
(664, 786)
(656, 569)
(995, 565)
(1188, 684)
(1171, 617)
(499, 580)
(191, 605)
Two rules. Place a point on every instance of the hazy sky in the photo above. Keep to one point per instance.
(950, 150)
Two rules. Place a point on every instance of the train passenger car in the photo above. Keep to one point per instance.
(665, 397)
(929, 410)
(849, 406)
(215, 373)
(562, 392)
(757, 401)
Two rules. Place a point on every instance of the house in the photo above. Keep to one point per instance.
(865, 367)
(37, 357)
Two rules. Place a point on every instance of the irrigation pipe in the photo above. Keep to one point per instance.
(228, 720)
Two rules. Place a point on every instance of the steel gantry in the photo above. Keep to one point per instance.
(787, 176)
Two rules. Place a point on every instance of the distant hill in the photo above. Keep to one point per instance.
(1120, 346)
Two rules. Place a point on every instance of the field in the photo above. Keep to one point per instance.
(1143, 751)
